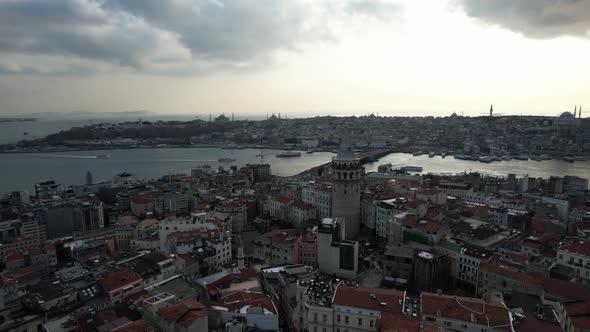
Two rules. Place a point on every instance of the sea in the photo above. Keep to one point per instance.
(21, 171)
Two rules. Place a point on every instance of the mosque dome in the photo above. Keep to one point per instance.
(566, 115)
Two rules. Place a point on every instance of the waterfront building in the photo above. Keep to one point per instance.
(347, 173)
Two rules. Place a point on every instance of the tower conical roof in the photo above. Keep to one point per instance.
(345, 152)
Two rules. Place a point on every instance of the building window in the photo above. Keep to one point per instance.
(324, 318)
(345, 319)
(360, 322)
(370, 323)
(338, 318)
(315, 316)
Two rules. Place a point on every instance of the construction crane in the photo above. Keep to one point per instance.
(262, 155)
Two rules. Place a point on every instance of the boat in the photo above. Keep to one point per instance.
(412, 168)
(226, 160)
(417, 153)
(506, 158)
(521, 157)
(103, 156)
(431, 155)
(289, 154)
(444, 155)
(536, 158)
(486, 159)
(568, 159)
(545, 157)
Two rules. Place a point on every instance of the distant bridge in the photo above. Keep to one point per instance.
(365, 157)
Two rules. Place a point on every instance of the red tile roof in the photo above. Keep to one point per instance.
(243, 298)
(17, 276)
(184, 312)
(578, 247)
(136, 326)
(283, 200)
(193, 234)
(423, 225)
(428, 191)
(579, 314)
(565, 289)
(35, 251)
(465, 309)
(301, 205)
(386, 300)
(225, 282)
(398, 323)
(118, 279)
(14, 256)
(280, 236)
(527, 278)
(532, 244)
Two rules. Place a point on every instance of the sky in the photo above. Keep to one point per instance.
(297, 57)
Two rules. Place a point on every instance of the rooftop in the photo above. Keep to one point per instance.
(465, 309)
(246, 302)
(528, 278)
(578, 247)
(183, 312)
(377, 299)
(118, 279)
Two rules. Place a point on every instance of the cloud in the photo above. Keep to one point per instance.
(534, 18)
(156, 35)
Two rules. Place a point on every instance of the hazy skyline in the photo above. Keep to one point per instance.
(301, 58)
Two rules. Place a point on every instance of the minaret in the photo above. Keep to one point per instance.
(240, 256)
(491, 110)
(347, 173)
(580, 112)
(575, 111)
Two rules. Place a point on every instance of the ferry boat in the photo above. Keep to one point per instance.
(412, 168)
(226, 160)
(444, 155)
(536, 158)
(289, 154)
(521, 157)
(103, 156)
(431, 155)
(417, 153)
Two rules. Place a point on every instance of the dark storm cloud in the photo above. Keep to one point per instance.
(534, 18)
(73, 28)
(158, 35)
(236, 30)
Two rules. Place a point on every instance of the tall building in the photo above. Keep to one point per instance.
(347, 173)
(336, 256)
